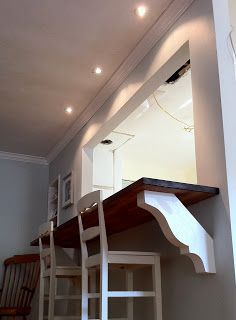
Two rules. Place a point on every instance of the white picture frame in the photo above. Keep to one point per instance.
(54, 200)
(67, 191)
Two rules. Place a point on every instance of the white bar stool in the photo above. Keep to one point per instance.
(90, 204)
(50, 272)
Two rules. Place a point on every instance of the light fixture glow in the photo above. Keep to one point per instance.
(69, 109)
(141, 11)
(97, 70)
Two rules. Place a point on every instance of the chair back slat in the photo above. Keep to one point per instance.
(17, 285)
(45, 229)
(91, 203)
(11, 296)
(28, 284)
(6, 285)
(21, 293)
(20, 280)
(90, 233)
(35, 273)
(88, 202)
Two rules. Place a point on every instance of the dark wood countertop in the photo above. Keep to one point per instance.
(121, 211)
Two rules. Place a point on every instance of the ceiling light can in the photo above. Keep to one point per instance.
(69, 109)
(97, 70)
(141, 11)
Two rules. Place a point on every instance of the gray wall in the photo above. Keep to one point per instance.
(23, 205)
(186, 295)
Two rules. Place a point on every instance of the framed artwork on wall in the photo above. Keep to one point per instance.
(54, 200)
(67, 190)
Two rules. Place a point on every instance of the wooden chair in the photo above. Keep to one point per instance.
(50, 271)
(19, 282)
(90, 204)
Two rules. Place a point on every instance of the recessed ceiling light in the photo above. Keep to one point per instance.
(69, 109)
(141, 11)
(97, 70)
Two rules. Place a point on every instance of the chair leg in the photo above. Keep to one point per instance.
(41, 297)
(156, 268)
(52, 288)
(84, 297)
(130, 301)
(104, 292)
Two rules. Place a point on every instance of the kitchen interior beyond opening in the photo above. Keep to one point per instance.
(156, 140)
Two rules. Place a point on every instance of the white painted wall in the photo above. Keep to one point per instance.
(107, 170)
(214, 294)
(23, 206)
(103, 171)
(103, 168)
(232, 7)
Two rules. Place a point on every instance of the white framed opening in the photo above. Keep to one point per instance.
(152, 135)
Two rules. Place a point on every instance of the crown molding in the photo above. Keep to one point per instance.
(23, 158)
(171, 14)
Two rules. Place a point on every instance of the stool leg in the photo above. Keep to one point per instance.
(52, 288)
(41, 297)
(156, 268)
(84, 298)
(130, 301)
(104, 291)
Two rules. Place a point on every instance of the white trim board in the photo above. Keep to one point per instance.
(173, 12)
(23, 158)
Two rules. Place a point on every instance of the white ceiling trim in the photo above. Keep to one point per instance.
(156, 32)
(23, 158)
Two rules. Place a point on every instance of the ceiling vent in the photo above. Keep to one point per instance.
(106, 142)
(179, 73)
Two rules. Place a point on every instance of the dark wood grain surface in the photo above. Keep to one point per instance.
(121, 211)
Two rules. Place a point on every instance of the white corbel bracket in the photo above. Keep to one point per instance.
(180, 228)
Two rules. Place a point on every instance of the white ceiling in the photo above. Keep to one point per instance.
(160, 147)
(48, 49)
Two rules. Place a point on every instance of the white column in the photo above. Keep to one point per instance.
(228, 101)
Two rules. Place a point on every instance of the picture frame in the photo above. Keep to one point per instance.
(67, 191)
(54, 200)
